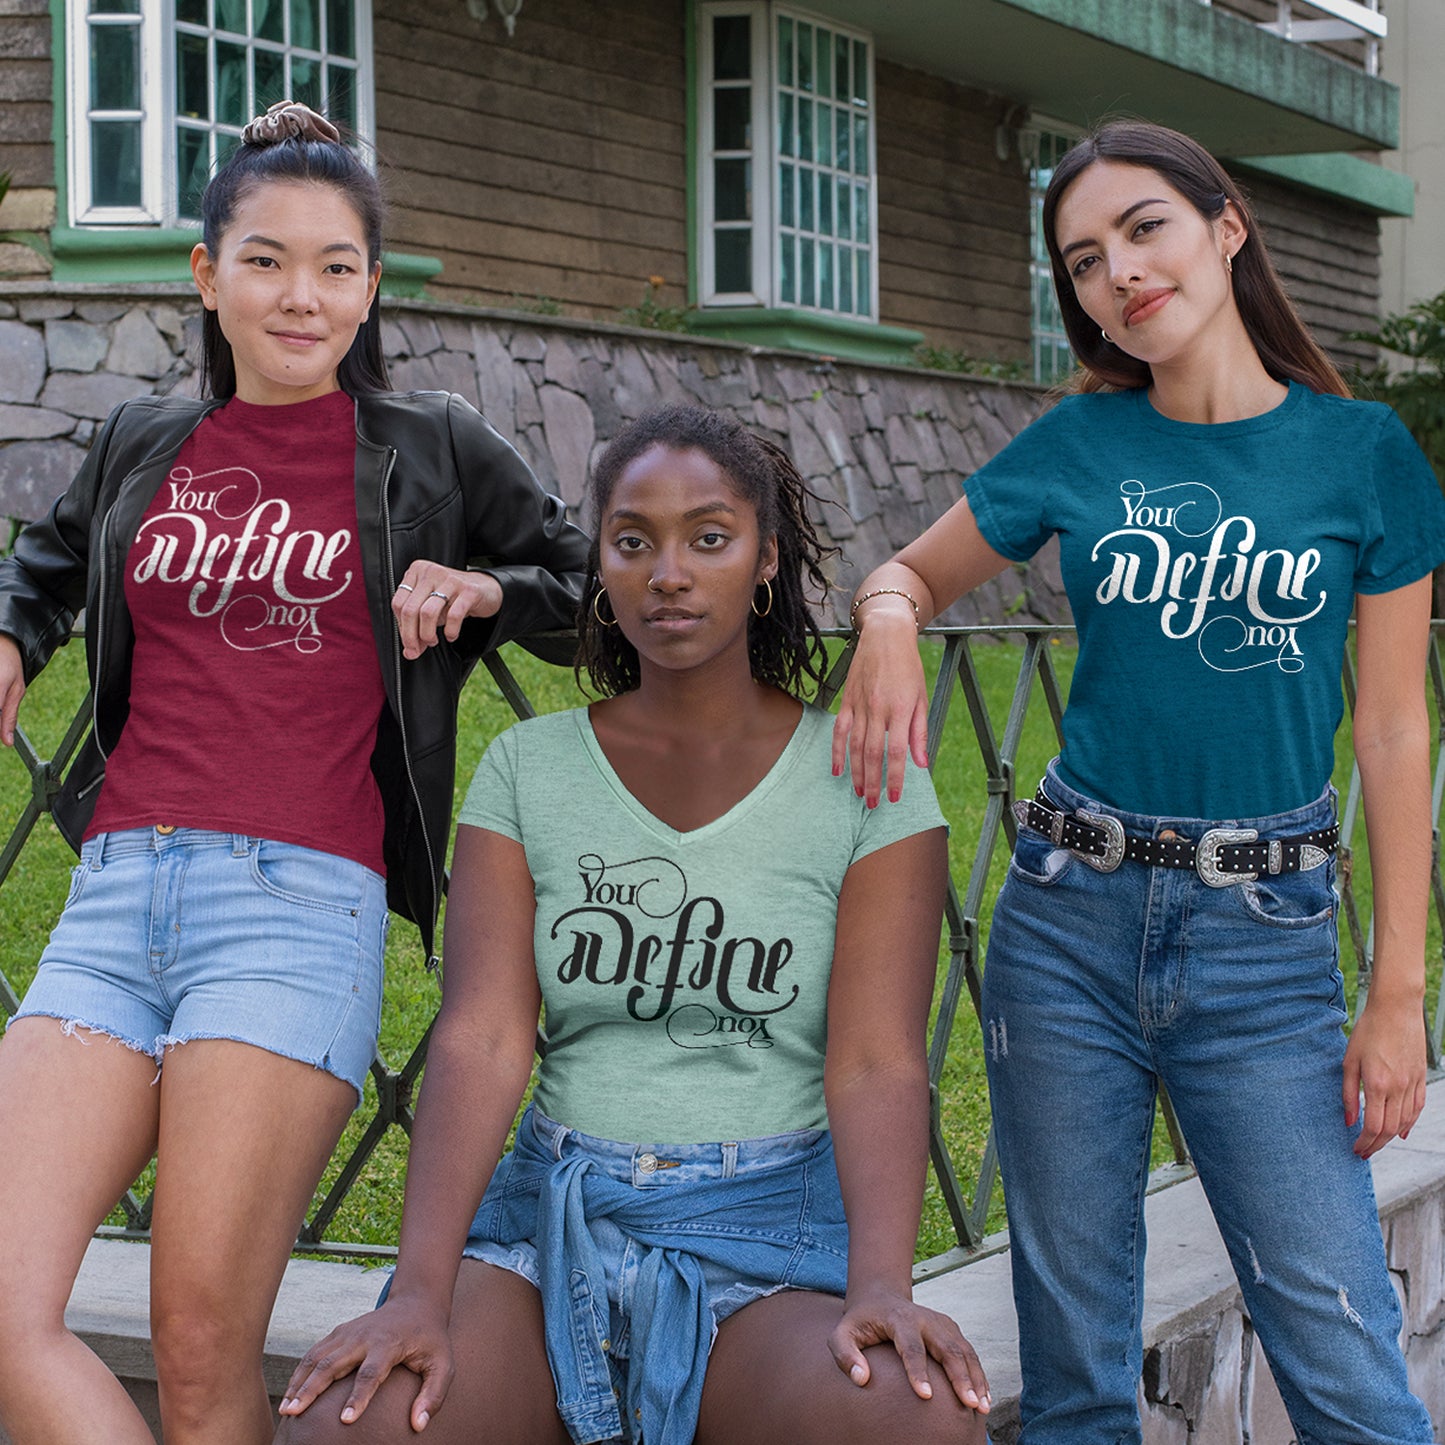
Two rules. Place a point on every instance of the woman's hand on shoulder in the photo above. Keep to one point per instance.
(12, 687)
(400, 1332)
(432, 602)
(877, 1316)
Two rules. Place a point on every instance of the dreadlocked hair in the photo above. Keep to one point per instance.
(785, 645)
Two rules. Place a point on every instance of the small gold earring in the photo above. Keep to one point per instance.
(763, 612)
(1229, 263)
(597, 597)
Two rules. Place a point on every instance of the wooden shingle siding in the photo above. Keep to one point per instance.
(953, 220)
(549, 164)
(1328, 255)
(25, 83)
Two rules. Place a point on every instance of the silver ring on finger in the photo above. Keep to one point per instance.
(405, 587)
(445, 597)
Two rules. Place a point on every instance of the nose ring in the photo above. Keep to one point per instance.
(652, 585)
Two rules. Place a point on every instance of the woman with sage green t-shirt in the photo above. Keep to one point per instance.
(1169, 917)
(736, 956)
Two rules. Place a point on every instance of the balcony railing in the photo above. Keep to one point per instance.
(1037, 688)
(1311, 22)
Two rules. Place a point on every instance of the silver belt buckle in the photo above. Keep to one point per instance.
(1113, 842)
(1206, 856)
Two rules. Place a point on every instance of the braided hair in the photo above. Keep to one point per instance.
(784, 645)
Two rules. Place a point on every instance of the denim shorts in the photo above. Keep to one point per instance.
(168, 937)
(650, 1167)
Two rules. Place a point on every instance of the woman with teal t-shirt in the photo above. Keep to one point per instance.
(1169, 913)
(735, 956)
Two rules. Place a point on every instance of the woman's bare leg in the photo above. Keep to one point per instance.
(244, 1135)
(771, 1380)
(502, 1394)
(79, 1124)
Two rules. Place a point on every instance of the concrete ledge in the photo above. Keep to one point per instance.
(1205, 1379)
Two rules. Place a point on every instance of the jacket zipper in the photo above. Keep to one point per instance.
(100, 641)
(434, 960)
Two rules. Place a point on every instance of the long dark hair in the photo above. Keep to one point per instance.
(784, 645)
(316, 162)
(1284, 344)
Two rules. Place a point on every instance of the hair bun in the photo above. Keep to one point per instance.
(287, 119)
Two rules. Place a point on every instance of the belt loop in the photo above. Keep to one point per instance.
(97, 852)
(559, 1139)
(240, 845)
(729, 1160)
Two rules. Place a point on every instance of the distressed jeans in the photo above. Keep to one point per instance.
(1097, 988)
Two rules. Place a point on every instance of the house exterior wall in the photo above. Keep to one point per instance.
(26, 149)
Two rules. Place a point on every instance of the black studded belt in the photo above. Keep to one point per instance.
(1221, 857)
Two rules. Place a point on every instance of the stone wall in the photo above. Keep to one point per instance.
(886, 447)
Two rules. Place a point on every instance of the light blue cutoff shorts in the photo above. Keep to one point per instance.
(168, 937)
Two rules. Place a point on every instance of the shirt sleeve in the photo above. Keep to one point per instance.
(915, 812)
(491, 800)
(1408, 539)
(1009, 494)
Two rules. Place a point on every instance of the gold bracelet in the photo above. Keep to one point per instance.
(883, 592)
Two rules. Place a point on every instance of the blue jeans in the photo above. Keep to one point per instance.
(1097, 988)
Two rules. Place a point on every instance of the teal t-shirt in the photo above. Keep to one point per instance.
(684, 975)
(1212, 570)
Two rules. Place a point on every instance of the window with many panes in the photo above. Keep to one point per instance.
(160, 90)
(1053, 360)
(786, 202)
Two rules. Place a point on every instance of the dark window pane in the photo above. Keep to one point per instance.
(825, 203)
(192, 171)
(860, 145)
(860, 72)
(845, 210)
(785, 125)
(733, 260)
(193, 12)
(788, 271)
(840, 67)
(731, 185)
(306, 82)
(845, 279)
(805, 198)
(118, 7)
(860, 213)
(233, 106)
(825, 277)
(806, 290)
(306, 24)
(785, 196)
(805, 129)
(115, 67)
(341, 28)
(193, 77)
(805, 57)
(231, 16)
(268, 18)
(341, 102)
(270, 78)
(115, 162)
(732, 113)
(844, 127)
(865, 304)
(825, 58)
(825, 134)
(785, 50)
(732, 48)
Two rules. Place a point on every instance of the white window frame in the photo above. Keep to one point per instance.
(764, 159)
(157, 24)
(1040, 271)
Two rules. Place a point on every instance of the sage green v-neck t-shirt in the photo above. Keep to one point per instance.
(684, 975)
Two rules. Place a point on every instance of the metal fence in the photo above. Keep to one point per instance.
(958, 679)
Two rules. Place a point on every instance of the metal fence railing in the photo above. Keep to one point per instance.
(1036, 684)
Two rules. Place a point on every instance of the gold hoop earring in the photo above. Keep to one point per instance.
(754, 604)
(596, 598)
(1229, 263)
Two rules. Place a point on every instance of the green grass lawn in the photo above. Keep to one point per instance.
(35, 891)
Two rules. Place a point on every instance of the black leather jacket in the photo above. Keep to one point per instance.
(433, 482)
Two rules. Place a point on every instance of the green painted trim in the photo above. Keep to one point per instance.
(59, 112)
(784, 329)
(110, 255)
(1236, 54)
(1345, 177)
(689, 143)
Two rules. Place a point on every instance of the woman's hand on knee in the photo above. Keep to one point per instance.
(917, 1333)
(399, 1332)
(12, 687)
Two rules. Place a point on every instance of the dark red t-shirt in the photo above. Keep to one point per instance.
(255, 684)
